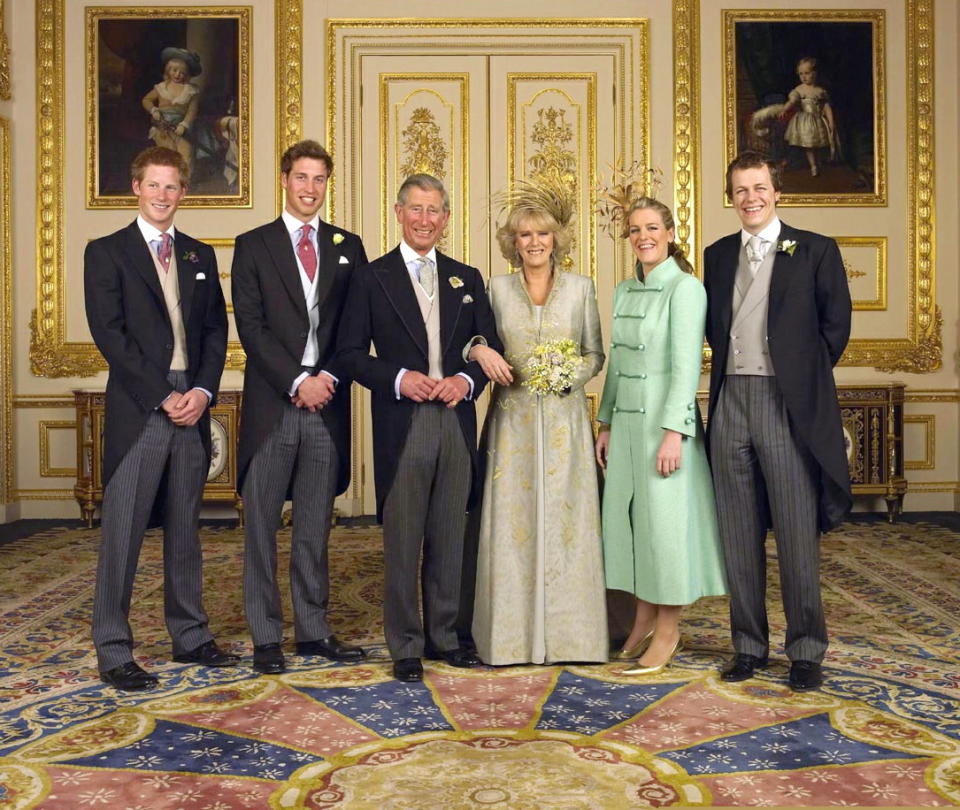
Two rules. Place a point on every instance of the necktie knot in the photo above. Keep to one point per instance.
(426, 275)
(755, 249)
(307, 253)
(164, 250)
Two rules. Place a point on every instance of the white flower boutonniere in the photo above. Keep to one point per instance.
(337, 238)
(468, 299)
(787, 246)
(456, 281)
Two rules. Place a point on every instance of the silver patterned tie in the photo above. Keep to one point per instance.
(427, 274)
(754, 253)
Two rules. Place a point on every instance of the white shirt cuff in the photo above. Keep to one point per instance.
(296, 383)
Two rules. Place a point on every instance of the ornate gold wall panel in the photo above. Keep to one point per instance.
(686, 126)
(289, 68)
(856, 268)
(47, 469)
(552, 133)
(929, 460)
(6, 316)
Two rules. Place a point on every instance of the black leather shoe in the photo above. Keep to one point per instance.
(461, 657)
(129, 677)
(331, 647)
(408, 670)
(742, 667)
(208, 654)
(268, 659)
(805, 675)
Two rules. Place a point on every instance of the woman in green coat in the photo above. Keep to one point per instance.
(660, 536)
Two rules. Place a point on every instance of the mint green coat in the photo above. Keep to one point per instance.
(660, 535)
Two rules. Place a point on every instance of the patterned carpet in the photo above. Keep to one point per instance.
(884, 731)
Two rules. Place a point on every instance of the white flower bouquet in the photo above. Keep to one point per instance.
(552, 366)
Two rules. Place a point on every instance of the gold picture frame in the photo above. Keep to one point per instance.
(878, 302)
(828, 132)
(51, 354)
(201, 109)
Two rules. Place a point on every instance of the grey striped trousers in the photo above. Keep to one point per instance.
(760, 473)
(425, 509)
(299, 455)
(127, 503)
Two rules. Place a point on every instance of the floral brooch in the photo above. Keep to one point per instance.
(456, 281)
(787, 246)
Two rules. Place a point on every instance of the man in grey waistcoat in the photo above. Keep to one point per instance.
(419, 308)
(778, 320)
(156, 312)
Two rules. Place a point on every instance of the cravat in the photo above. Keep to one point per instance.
(164, 250)
(427, 274)
(755, 253)
(307, 252)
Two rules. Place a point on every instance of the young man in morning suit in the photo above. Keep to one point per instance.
(290, 278)
(156, 312)
(419, 308)
(778, 320)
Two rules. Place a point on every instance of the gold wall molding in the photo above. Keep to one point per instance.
(879, 244)
(6, 313)
(935, 486)
(289, 79)
(44, 494)
(47, 470)
(41, 401)
(4, 58)
(686, 126)
(929, 460)
(932, 395)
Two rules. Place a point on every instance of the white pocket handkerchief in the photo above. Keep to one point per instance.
(344, 260)
(200, 276)
(468, 299)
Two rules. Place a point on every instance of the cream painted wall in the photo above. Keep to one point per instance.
(40, 405)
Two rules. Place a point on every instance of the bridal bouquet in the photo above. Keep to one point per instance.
(551, 367)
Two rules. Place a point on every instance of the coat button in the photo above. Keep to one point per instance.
(643, 410)
(169, 345)
(643, 376)
(643, 314)
(615, 409)
(641, 347)
(691, 406)
(303, 334)
(688, 421)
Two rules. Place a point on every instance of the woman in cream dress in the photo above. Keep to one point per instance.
(540, 594)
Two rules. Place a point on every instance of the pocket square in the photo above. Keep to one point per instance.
(200, 276)
(344, 260)
(468, 299)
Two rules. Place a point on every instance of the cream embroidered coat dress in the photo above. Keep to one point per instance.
(660, 535)
(540, 594)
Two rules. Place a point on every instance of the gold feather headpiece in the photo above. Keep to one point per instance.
(626, 185)
(536, 196)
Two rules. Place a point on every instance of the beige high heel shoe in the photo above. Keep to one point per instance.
(660, 667)
(638, 649)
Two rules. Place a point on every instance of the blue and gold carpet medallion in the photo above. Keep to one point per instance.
(885, 730)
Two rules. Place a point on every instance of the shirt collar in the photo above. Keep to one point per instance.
(150, 232)
(294, 225)
(768, 234)
(410, 255)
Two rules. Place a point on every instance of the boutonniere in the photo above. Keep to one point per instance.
(337, 238)
(787, 246)
(456, 281)
(468, 299)
(190, 256)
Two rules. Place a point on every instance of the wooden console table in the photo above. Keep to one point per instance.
(872, 417)
(221, 477)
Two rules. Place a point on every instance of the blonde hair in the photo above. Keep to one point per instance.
(539, 218)
(666, 216)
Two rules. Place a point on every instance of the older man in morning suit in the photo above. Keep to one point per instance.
(419, 308)
(156, 312)
(290, 278)
(778, 320)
